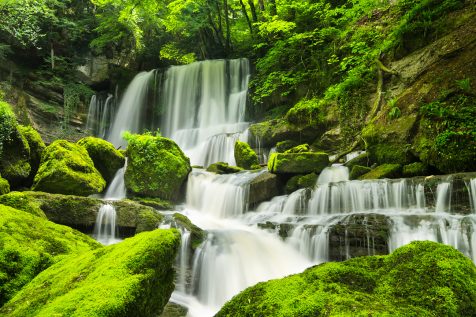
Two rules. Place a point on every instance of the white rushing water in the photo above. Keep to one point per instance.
(105, 229)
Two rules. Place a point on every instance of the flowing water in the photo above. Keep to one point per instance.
(105, 230)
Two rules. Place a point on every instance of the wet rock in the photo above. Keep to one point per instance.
(262, 188)
(223, 168)
(298, 163)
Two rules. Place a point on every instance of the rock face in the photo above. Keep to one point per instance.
(31, 244)
(263, 187)
(157, 167)
(412, 281)
(66, 168)
(106, 158)
(245, 156)
(132, 278)
(297, 163)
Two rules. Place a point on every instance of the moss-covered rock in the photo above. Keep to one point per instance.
(301, 181)
(106, 158)
(157, 167)
(262, 188)
(37, 146)
(4, 186)
(297, 163)
(358, 171)
(197, 235)
(420, 279)
(283, 146)
(362, 160)
(223, 168)
(66, 168)
(156, 203)
(307, 112)
(384, 171)
(15, 163)
(132, 278)
(23, 202)
(298, 149)
(245, 157)
(30, 244)
(415, 169)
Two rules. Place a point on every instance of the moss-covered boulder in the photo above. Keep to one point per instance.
(285, 145)
(358, 171)
(197, 235)
(22, 201)
(223, 168)
(29, 245)
(106, 158)
(301, 181)
(420, 279)
(37, 146)
(4, 186)
(66, 168)
(299, 149)
(362, 160)
(415, 169)
(384, 171)
(132, 278)
(298, 163)
(245, 157)
(156, 203)
(263, 187)
(157, 167)
(15, 161)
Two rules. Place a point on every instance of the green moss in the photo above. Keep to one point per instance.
(362, 160)
(15, 164)
(106, 158)
(30, 244)
(384, 171)
(420, 279)
(66, 168)
(297, 163)
(415, 169)
(132, 278)
(273, 131)
(223, 168)
(197, 235)
(157, 167)
(305, 112)
(23, 202)
(8, 123)
(245, 156)
(301, 181)
(299, 149)
(283, 146)
(390, 153)
(358, 171)
(37, 146)
(156, 203)
(4, 186)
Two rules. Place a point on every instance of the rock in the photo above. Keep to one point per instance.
(273, 131)
(156, 203)
(362, 160)
(245, 157)
(31, 244)
(412, 281)
(331, 140)
(262, 188)
(298, 149)
(197, 235)
(415, 169)
(4, 186)
(106, 158)
(66, 168)
(157, 167)
(15, 163)
(131, 278)
(301, 181)
(223, 168)
(384, 171)
(37, 146)
(358, 171)
(297, 163)
(283, 146)
(23, 202)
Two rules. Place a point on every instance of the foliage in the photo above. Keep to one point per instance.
(422, 278)
(73, 94)
(134, 277)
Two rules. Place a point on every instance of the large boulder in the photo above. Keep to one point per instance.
(132, 278)
(420, 279)
(29, 245)
(4, 186)
(262, 188)
(106, 158)
(157, 167)
(15, 162)
(245, 157)
(37, 146)
(298, 163)
(66, 168)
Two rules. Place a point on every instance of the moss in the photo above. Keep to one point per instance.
(305, 112)
(297, 163)
(29, 244)
(106, 158)
(156, 203)
(8, 123)
(362, 160)
(415, 169)
(273, 131)
(420, 279)
(23, 202)
(298, 149)
(245, 156)
(223, 168)
(15, 164)
(66, 168)
(384, 171)
(37, 146)
(4, 186)
(197, 235)
(157, 167)
(358, 171)
(301, 181)
(283, 146)
(132, 278)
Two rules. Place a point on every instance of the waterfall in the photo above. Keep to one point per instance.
(117, 189)
(105, 227)
(443, 197)
(472, 194)
(100, 115)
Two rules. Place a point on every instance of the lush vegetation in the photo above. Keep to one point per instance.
(420, 279)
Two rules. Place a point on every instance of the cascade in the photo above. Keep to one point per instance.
(105, 227)
(100, 114)
(472, 190)
(117, 188)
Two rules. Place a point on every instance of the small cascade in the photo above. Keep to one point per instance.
(353, 155)
(472, 195)
(105, 227)
(117, 188)
(100, 115)
(443, 197)
(184, 261)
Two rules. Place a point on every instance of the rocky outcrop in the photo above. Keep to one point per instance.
(132, 278)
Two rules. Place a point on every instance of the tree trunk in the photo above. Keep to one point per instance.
(227, 23)
(253, 10)
(272, 7)
(245, 13)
